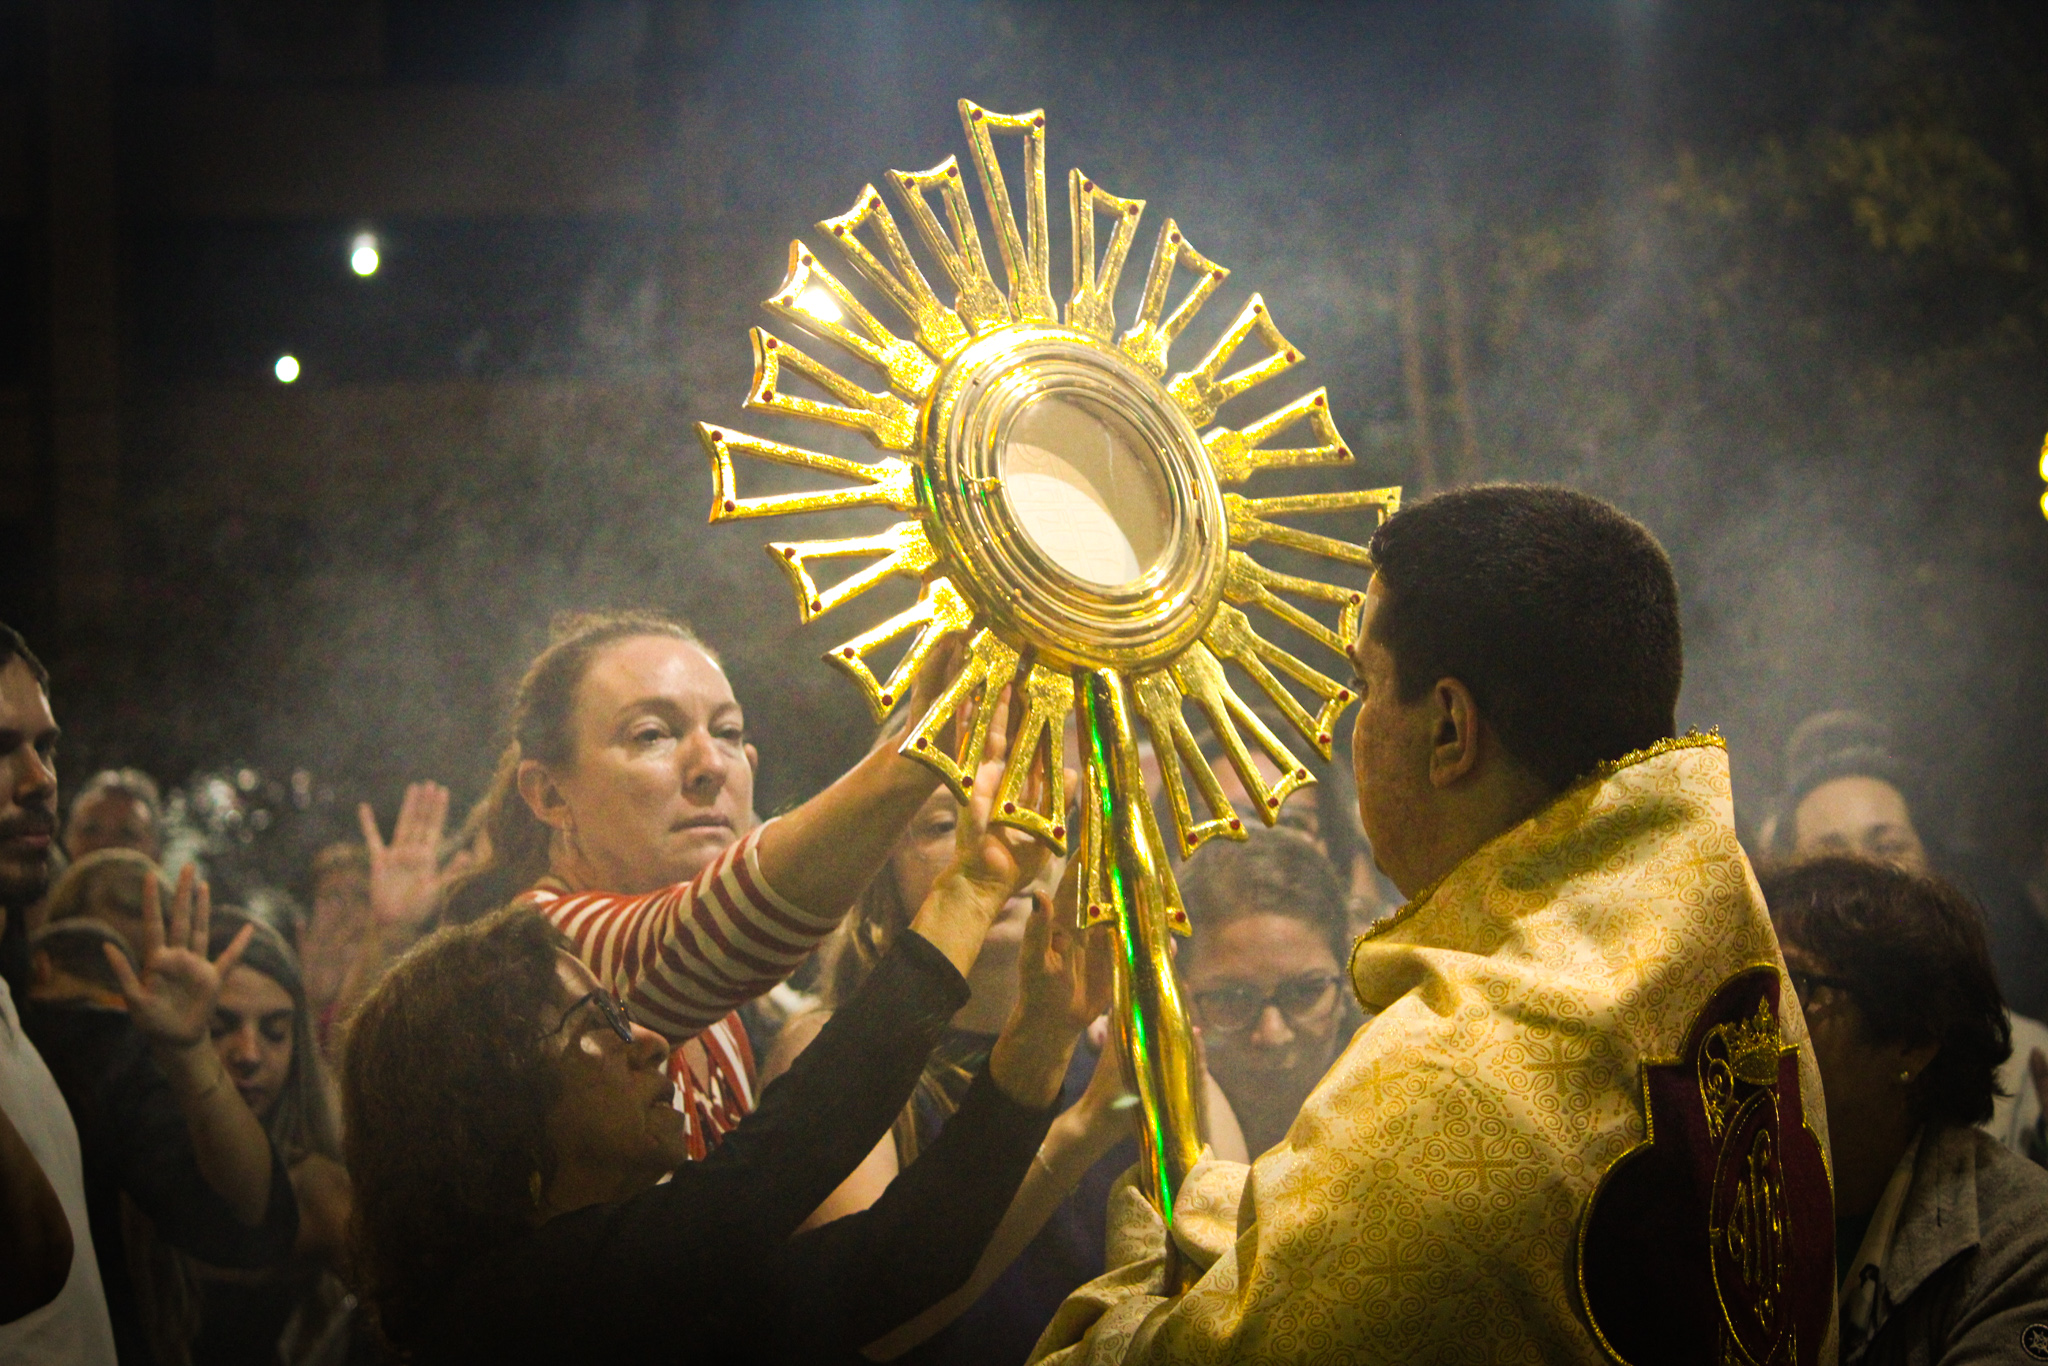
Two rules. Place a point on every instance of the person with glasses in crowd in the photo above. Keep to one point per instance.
(1941, 1238)
(1846, 789)
(1264, 973)
(524, 1185)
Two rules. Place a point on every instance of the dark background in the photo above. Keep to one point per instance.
(1772, 276)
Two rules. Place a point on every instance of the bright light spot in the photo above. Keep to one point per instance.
(287, 368)
(362, 255)
(820, 305)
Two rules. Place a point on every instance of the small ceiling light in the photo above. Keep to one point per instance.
(820, 305)
(362, 254)
(287, 368)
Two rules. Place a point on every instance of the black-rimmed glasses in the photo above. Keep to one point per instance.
(609, 1006)
(1302, 1001)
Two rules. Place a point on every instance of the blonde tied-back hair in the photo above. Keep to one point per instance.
(864, 937)
(543, 712)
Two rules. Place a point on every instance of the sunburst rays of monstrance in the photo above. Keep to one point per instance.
(1063, 512)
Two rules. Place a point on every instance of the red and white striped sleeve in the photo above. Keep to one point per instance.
(684, 956)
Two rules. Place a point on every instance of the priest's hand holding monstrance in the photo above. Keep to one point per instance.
(1063, 510)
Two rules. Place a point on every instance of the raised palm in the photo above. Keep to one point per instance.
(993, 854)
(1065, 973)
(405, 875)
(172, 999)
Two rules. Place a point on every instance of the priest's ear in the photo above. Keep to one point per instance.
(1454, 742)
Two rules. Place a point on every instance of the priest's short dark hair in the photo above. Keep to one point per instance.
(1558, 611)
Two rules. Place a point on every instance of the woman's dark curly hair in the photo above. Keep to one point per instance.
(445, 1093)
(1912, 948)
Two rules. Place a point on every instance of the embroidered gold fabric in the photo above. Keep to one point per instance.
(1425, 1205)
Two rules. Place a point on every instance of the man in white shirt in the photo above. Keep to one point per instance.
(73, 1326)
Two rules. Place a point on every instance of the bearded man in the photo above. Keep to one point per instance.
(52, 1306)
(1584, 1122)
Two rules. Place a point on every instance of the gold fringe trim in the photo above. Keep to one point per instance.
(1607, 768)
(1692, 739)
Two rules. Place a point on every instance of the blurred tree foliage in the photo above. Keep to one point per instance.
(1895, 208)
(1814, 294)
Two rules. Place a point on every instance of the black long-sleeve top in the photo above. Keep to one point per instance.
(705, 1268)
(133, 1141)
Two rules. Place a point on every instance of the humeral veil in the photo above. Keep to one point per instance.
(1584, 1125)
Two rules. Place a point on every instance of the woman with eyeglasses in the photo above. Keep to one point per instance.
(1264, 973)
(509, 1127)
(1941, 1232)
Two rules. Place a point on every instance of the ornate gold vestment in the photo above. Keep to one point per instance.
(1431, 1202)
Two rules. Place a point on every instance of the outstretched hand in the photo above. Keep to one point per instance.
(172, 999)
(1063, 980)
(996, 855)
(405, 875)
(1064, 974)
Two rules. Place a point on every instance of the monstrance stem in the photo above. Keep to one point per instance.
(1151, 1023)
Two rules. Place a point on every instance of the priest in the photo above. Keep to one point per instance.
(1584, 1122)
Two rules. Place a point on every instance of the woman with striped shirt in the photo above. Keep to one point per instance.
(622, 810)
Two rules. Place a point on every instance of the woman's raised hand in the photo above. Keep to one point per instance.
(997, 855)
(989, 862)
(405, 875)
(1064, 974)
(1064, 977)
(172, 1000)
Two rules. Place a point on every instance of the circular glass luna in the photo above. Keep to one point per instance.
(1075, 500)
(1082, 490)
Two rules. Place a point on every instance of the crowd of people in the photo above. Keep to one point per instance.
(615, 1066)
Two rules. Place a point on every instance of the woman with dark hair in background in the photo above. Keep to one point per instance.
(1264, 972)
(1941, 1232)
(508, 1124)
(198, 1314)
(1845, 793)
(264, 1031)
(193, 1313)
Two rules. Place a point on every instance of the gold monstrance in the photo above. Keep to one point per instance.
(1064, 511)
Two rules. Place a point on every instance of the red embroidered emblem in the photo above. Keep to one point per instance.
(1713, 1240)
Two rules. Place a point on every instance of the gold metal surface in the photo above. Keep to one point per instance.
(956, 388)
